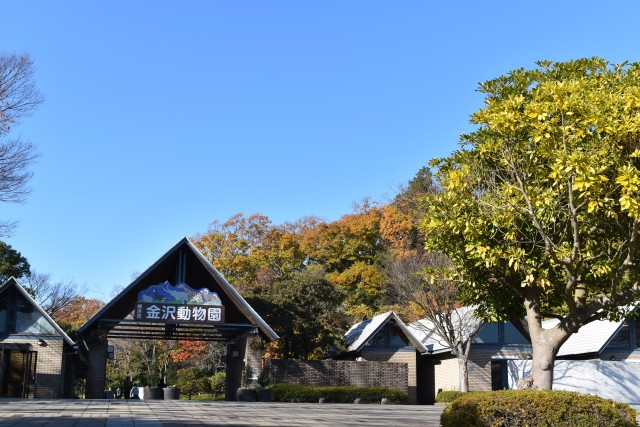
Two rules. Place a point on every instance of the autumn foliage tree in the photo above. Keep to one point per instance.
(54, 296)
(341, 262)
(251, 250)
(244, 248)
(204, 355)
(78, 311)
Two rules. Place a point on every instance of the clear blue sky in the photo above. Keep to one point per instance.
(162, 116)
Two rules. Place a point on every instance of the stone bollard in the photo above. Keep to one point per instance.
(384, 401)
(321, 400)
(357, 400)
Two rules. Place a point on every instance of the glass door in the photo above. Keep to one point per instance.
(18, 373)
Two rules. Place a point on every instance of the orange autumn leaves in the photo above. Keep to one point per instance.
(78, 311)
(251, 250)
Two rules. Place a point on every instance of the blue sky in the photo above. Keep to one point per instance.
(162, 116)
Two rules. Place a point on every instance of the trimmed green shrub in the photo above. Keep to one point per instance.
(536, 408)
(448, 396)
(205, 396)
(335, 394)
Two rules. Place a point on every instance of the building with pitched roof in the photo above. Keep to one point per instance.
(385, 338)
(37, 358)
(602, 358)
(183, 297)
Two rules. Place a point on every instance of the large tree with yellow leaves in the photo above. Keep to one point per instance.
(540, 207)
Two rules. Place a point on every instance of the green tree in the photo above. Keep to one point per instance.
(12, 263)
(409, 197)
(540, 207)
(218, 383)
(304, 311)
(191, 381)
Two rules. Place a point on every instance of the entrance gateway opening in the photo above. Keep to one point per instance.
(180, 297)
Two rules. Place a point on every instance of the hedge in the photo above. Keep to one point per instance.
(335, 394)
(450, 396)
(203, 396)
(536, 408)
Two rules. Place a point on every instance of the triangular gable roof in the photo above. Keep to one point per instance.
(13, 282)
(233, 295)
(360, 333)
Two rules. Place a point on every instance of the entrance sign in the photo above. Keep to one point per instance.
(165, 303)
(177, 313)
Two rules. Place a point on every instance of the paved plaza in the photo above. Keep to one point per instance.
(116, 413)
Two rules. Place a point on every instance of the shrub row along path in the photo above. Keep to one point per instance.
(116, 413)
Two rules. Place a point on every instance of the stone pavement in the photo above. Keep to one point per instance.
(155, 413)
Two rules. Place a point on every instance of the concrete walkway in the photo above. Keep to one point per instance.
(153, 413)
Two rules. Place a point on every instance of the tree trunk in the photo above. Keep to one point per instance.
(544, 342)
(542, 364)
(463, 374)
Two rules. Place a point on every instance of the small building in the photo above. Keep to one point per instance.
(385, 338)
(37, 358)
(602, 358)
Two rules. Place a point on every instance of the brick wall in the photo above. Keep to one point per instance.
(407, 357)
(252, 356)
(48, 378)
(341, 372)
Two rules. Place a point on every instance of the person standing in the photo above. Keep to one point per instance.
(126, 387)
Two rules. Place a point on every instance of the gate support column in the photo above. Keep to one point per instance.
(235, 365)
(96, 369)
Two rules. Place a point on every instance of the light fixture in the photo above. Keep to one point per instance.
(528, 356)
(41, 342)
(612, 358)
